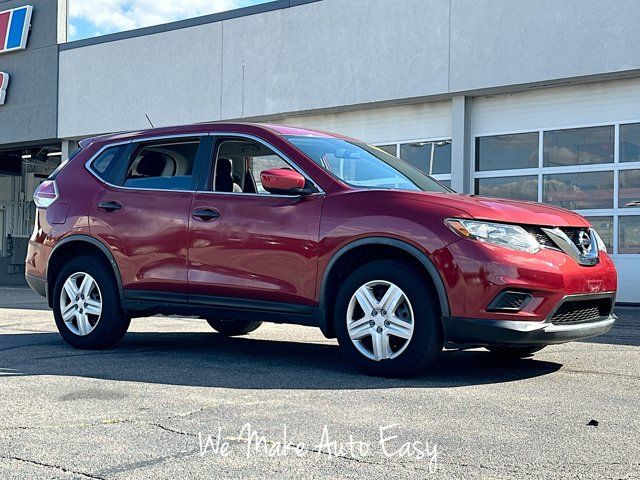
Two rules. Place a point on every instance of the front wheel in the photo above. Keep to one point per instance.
(233, 328)
(386, 320)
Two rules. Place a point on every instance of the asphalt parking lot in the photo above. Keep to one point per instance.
(176, 400)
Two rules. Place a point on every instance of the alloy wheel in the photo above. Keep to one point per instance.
(380, 320)
(81, 303)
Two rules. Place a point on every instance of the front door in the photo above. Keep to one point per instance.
(245, 243)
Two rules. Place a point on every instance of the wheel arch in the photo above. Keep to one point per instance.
(332, 269)
(76, 243)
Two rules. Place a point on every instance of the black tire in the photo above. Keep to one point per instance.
(426, 342)
(514, 352)
(233, 328)
(112, 323)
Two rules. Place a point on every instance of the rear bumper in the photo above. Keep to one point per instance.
(481, 332)
(37, 284)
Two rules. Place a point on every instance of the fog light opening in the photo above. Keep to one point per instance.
(509, 301)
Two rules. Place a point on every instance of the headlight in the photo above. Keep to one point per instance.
(601, 246)
(501, 234)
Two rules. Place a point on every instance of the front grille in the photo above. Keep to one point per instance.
(579, 311)
(540, 236)
(573, 234)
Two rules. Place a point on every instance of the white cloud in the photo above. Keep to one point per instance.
(108, 16)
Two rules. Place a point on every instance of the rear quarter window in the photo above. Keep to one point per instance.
(105, 164)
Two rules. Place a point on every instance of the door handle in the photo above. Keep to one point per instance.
(205, 214)
(110, 206)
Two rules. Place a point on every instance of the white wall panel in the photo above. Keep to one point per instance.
(558, 107)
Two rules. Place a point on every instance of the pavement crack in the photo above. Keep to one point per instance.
(56, 467)
(168, 429)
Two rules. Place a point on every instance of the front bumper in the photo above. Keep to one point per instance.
(461, 331)
(481, 332)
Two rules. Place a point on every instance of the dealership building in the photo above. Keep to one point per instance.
(526, 99)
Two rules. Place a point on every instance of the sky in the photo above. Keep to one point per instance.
(90, 18)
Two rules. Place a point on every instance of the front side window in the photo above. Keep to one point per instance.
(239, 164)
(361, 165)
(163, 166)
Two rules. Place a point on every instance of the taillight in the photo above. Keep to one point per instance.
(45, 194)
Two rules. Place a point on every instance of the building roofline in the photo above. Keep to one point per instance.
(186, 23)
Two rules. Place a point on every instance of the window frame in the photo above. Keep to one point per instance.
(615, 212)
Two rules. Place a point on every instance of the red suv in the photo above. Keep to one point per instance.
(242, 223)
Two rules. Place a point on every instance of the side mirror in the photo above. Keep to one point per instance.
(284, 181)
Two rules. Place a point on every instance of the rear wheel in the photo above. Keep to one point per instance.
(86, 304)
(514, 352)
(387, 321)
(233, 328)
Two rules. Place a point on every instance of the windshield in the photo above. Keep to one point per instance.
(361, 165)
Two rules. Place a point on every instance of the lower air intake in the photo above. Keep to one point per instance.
(579, 311)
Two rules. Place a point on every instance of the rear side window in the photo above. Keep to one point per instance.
(105, 164)
(163, 166)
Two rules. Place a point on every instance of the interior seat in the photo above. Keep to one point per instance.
(152, 164)
(223, 178)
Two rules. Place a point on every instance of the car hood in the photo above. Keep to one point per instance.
(502, 210)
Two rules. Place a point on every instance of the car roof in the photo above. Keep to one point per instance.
(231, 127)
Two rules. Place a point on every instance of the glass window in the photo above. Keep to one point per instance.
(517, 188)
(240, 163)
(390, 149)
(104, 165)
(446, 182)
(629, 188)
(630, 143)
(604, 226)
(629, 234)
(505, 152)
(577, 191)
(433, 158)
(578, 146)
(163, 166)
(362, 165)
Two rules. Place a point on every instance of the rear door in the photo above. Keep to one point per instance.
(142, 213)
(246, 244)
